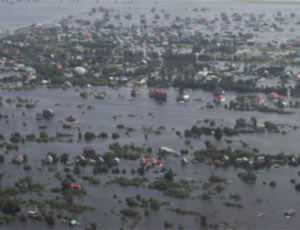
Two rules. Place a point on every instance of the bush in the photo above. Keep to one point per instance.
(64, 158)
(206, 196)
(248, 177)
(120, 126)
(131, 213)
(22, 217)
(89, 136)
(132, 202)
(50, 219)
(154, 203)
(168, 224)
(178, 193)
(216, 179)
(93, 180)
(297, 187)
(103, 135)
(84, 94)
(11, 207)
(27, 167)
(235, 196)
(115, 136)
(218, 134)
(272, 183)
(123, 181)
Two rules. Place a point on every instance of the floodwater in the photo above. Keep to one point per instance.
(170, 114)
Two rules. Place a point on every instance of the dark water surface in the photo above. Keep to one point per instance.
(171, 115)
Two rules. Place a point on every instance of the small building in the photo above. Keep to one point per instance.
(116, 160)
(282, 103)
(257, 101)
(134, 92)
(260, 159)
(80, 70)
(71, 118)
(218, 91)
(260, 127)
(32, 214)
(220, 99)
(89, 152)
(49, 159)
(242, 160)
(184, 161)
(209, 161)
(183, 98)
(75, 186)
(226, 158)
(48, 113)
(241, 123)
(158, 94)
(149, 160)
(273, 96)
(166, 150)
(73, 222)
(100, 160)
(18, 159)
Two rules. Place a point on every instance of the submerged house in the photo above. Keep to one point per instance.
(257, 101)
(149, 160)
(158, 94)
(75, 186)
(241, 123)
(71, 118)
(48, 113)
(18, 159)
(220, 99)
(165, 150)
(89, 152)
(273, 96)
(260, 159)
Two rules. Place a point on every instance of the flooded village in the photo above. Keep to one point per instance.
(150, 115)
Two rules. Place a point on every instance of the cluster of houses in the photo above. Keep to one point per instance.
(259, 160)
(135, 47)
(255, 102)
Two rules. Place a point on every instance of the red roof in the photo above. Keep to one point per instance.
(77, 186)
(209, 161)
(220, 96)
(145, 160)
(156, 91)
(202, 19)
(274, 94)
(163, 28)
(258, 99)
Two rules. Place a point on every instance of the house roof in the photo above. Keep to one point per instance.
(274, 94)
(75, 186)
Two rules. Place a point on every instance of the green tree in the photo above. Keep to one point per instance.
(218, 133)
(11, 207)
